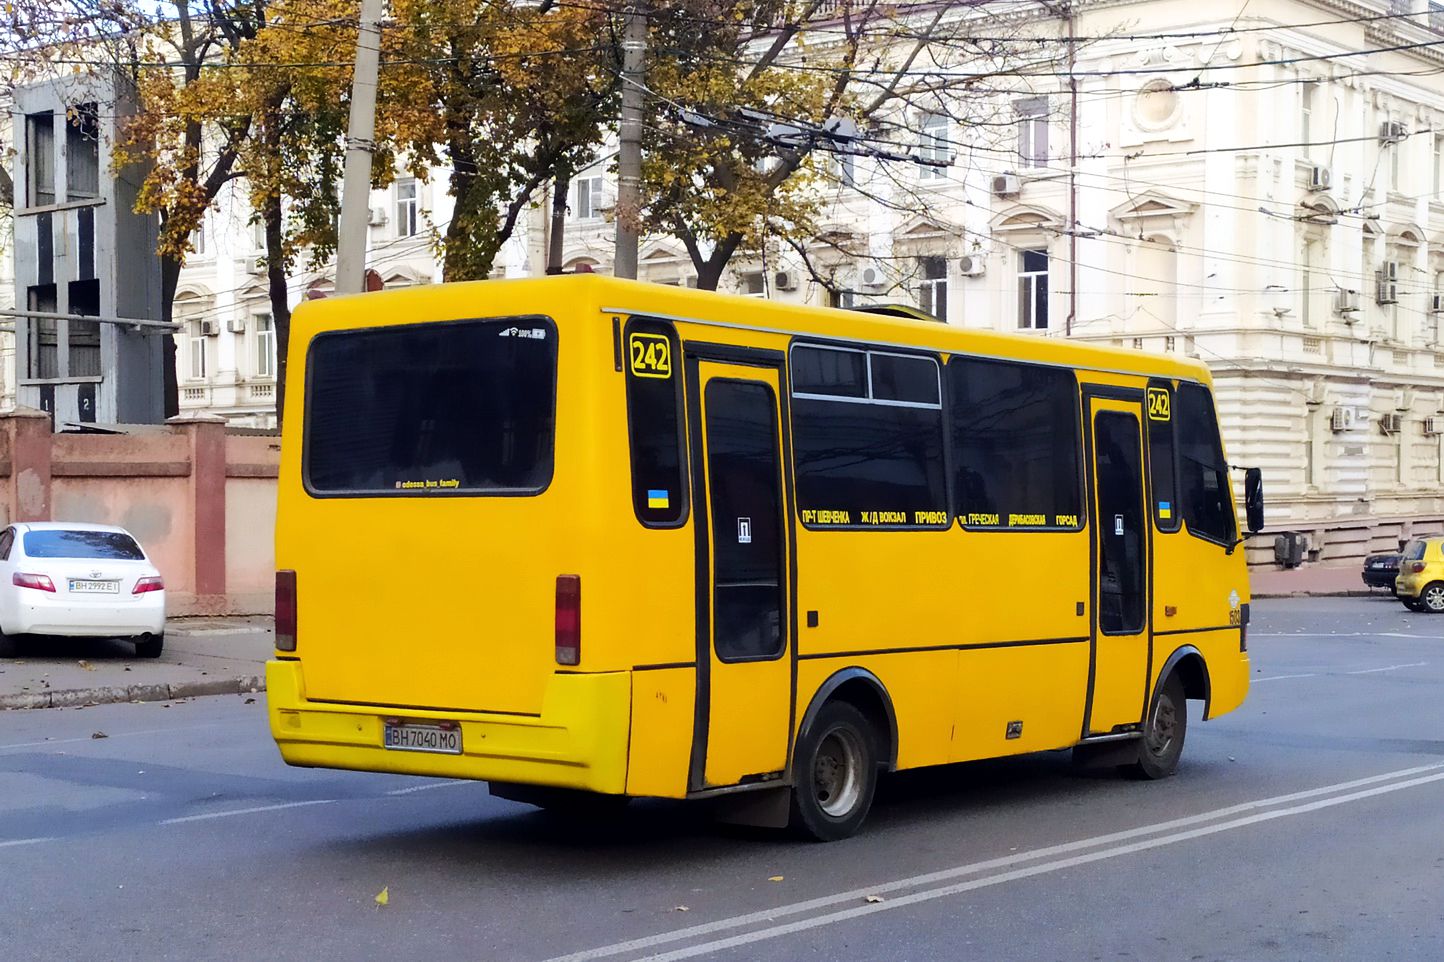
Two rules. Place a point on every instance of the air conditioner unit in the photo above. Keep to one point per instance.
(1007, 185)
(971, 265)
(255, 265)
(210, 328)
(1436, 303)
(376, 217)
(1346, 302)
(1391, 423)
(785, 281)
(236, 325)
(1434, 425)
(870, 275)
(1341, 420)
(1320, 178)
(1391, 132)
(1386, 283)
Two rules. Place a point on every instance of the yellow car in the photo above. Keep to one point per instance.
(1420, 585)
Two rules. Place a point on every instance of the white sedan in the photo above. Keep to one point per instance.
(91, 580)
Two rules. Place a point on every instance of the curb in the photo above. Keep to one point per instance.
(77, 697)
(1349, 593)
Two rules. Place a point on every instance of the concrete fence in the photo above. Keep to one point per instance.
(201, 501)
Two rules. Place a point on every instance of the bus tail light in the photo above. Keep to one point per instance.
(1416, 566)
(285, 611)
(569, 619)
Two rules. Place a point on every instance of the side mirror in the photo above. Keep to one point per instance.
(1253, 499)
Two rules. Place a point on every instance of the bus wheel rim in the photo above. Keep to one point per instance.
(1162, 726)
(837, 772)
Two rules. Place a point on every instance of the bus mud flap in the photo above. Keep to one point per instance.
(763, 808)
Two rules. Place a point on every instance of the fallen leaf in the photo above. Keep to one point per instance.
(681, 908)
(127, 668)
(383, 896)
(775, 878)
(86, 665)
(250, 701)
(99, 735)
(874, 898)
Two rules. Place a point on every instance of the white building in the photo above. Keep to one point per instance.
(1258, 188)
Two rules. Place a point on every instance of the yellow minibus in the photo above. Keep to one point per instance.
(581, 537)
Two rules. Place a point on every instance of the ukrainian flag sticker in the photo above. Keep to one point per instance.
(658, 499)
(1165, 510)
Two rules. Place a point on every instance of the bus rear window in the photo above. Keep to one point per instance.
(465, 407)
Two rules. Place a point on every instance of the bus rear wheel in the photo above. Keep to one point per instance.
(1163, 733)
(836, 774)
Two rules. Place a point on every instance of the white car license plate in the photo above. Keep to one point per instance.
(422, 738)
(80, 587)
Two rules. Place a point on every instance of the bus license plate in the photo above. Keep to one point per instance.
(422, 738)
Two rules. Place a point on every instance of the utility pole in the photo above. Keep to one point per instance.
(629, 157)
(360, 143)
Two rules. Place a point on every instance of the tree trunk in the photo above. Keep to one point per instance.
(280, 302)
(558, 238)
(709, 271)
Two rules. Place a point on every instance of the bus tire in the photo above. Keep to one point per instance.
(1431, 598)
(836, 774)
(1163, 732)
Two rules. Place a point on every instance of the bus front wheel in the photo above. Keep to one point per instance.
(836, 774)
(1163, 732)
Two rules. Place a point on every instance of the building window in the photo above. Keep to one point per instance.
(82, 153)
(1033, 289)
(844, 170)
(1306, 111)
(933, 291)
(42, 333)
(198, 242)
(933, 152)
(40, 151)
(265, 345)
(842, 298)
(589, 198)
(1032, 131)
(405, 207)
(1436, 16)
(197, 346)
(258, 234)
(754, 284)
(1397, 167)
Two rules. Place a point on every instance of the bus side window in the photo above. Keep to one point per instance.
(1162, 455)
(1015, 445)
(1203, 485)
(867, 436)
(654, 424)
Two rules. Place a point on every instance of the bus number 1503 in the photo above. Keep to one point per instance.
(651, 355)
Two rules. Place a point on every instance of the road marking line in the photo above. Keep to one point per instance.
(768, 915)
(25, 841)
(426, 788)
(1282, 677)
(1344, 634)
(1055, 866)
(245, 811)
(87, 738)
(1370, 671)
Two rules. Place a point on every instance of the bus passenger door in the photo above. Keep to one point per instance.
(744, 543)
(1121, 548)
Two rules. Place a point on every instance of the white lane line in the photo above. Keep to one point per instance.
(1255, 681)
(25, 841)
(826, 901)
(87, 738)
(1344, 634)
(245, 811)
(914, 898)
(426, 788)
(1370, 671)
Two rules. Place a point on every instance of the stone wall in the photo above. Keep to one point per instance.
(202, 502)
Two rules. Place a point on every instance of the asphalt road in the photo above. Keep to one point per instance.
(1307, 825)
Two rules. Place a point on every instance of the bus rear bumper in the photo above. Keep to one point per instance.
(578, 741)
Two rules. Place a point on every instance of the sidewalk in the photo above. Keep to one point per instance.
(1309, 580)
(203, 656)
